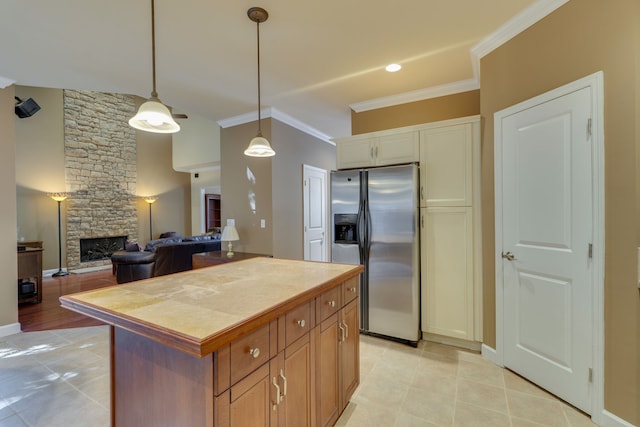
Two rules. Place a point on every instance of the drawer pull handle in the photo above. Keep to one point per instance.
(255, 352)
(353, 289)
(278, 397)
(331, 303)
(284, 384)
(301, 322)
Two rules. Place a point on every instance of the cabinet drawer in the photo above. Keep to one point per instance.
(327, 303)
(249, 352)
(297, 323)
(350, 290)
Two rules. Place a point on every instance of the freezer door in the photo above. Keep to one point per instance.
(345, 203)
(394, 251)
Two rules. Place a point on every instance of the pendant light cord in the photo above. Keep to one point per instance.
(259, 112)
(154, 94)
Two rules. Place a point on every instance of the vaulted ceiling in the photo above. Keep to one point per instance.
(318, 58)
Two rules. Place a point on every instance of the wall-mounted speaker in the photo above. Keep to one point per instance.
(26, 108)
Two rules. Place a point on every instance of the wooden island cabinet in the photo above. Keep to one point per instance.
(259, 342)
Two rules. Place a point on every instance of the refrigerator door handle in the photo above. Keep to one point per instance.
(360, 222)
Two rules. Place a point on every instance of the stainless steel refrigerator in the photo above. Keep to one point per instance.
(374, 214)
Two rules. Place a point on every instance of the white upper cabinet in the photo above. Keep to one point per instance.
(378, 150)
(446, 156)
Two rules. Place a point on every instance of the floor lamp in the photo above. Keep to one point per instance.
(150, 200)
(59, 197)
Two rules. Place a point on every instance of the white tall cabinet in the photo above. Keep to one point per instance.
(449, 156)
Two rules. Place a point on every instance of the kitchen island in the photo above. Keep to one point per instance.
(257, 342)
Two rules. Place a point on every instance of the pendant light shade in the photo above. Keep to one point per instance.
(153, 115)
(259, 146)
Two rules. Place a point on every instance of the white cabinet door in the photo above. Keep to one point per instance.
(447, 272)
(397, 149)
(355, 153)
(446, 155)
(391, 149)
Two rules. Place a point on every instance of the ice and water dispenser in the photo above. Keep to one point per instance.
(345, 228)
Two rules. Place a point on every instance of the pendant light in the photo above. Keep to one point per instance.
(153, 115)
(259, 146)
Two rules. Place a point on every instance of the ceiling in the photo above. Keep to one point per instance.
(318, 58)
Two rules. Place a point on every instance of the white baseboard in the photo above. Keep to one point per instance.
(10, 329)
(90, 269)
(490, 354)
(455, 342)
(611, 420)
(49, 273)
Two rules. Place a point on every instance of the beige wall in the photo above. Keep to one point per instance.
(430, 110)
(579, 39)
(40, 170)
(8, 221)
(156, 177)
(293, 149)
(277, 186)
(246, 188)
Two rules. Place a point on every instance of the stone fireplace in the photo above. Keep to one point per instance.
(100, 173)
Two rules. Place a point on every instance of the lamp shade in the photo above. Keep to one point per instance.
(259, 147)
(229, 234)
(154, 117)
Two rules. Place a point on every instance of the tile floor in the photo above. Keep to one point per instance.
(61, 378)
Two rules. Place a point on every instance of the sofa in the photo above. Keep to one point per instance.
(169, 254)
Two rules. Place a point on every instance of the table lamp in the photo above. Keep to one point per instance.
(229, 234)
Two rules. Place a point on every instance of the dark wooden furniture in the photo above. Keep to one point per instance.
(30, 269)
(240, 344)
(212, 211)
(208, 259)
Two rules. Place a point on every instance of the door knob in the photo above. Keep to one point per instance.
(509, 256)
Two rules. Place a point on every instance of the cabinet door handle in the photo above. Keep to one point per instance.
(278, 397)
(421, 192)
(255, 352)
(284, 384)
(341, 338)
(346, 331)
(376, 151)
(371, 152)
(331, 303)
(301, 322)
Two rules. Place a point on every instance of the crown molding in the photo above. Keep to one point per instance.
(278, 115)
(515, 26)
(5, 82)
(417, 95)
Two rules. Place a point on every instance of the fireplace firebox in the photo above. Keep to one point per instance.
(99, 248)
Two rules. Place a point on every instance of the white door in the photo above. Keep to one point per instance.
(315, 213)
(547, 232)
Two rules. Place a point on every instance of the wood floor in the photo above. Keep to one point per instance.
(49, 315)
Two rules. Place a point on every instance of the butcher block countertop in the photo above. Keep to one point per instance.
(200, 310)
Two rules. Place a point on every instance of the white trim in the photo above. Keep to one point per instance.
(451, 341)
(417, 95)
(5, 82)
(595, 82)
(10, 329)
(611, 420)
(89, 269)
(327, 203)
(490, 354)
(278, 115)
(49, 273)
(515, 26)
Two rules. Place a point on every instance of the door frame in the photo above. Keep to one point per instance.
(596, 84)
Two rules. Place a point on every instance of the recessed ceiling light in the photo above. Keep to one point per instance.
(392, 68)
